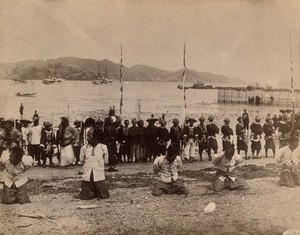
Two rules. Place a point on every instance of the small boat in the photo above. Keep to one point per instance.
(19, 80)
(27, 94)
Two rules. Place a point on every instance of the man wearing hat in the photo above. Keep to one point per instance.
(151, 139)
(284, 131)
(123, 139)
(201, 131)
(256, 132)
(176, 135)
(246, 120)
(190, 137)
(35, 135)
(241, 137)
(78, 142)
(47, 143)
(163, 136)
(269, 131)
(212, 130)
(227, 132)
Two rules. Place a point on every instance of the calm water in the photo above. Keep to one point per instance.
(79, 99)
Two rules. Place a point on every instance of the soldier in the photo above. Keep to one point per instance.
(151, 139)
(227, 132)
(269, 131)
(241, 137)
(123, 138)
(176, 135)
(201, 131)
(163, 137)
(189, 137)
(212, 143)
(47, 143)
(111, 138)
(140, 135)
(132, 133)
(256, 132)
(246, 120)
(284, 131)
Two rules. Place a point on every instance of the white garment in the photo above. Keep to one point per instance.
(35, 133)
(25, 132)
(67, 156)
(93, 159)
(189, 149)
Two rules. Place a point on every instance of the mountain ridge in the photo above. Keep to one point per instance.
(75, 68)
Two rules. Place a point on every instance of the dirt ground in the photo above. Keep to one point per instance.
(266, 208)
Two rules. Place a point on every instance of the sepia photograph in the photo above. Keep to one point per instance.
(150, 117)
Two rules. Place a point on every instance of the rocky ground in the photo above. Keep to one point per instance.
(266, 208)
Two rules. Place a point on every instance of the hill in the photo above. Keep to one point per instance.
(73, 68)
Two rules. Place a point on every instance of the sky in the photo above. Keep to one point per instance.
(242, 39)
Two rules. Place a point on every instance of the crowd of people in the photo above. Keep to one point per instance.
(96, 142)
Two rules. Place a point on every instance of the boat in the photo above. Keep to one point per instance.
(27, 94)
(52, 80)
(18, 79)
(102, 80)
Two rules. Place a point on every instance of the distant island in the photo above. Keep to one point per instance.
(73, 68)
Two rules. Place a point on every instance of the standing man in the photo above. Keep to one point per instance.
(202, 133)
(151, 139)
(35, 115)
(133, 140)
(284, 131)
(212, 130)
(190, 137)
(227, 132)
(246, 120)
(47, 143)
(21, 111)
(123, 139)
(35, 135)
(78, 141)
(163, 137)
(269, 131)
(241, 137)
(176, 135)
(256, 132)
(111, 138)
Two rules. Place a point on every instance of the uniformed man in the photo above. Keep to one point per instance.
(202, 133)
(189, 137)
(269, 131)
(256, 132)
(212, 130)
(241, 137)
(227, 132)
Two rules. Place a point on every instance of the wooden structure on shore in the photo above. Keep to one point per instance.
(275, 97)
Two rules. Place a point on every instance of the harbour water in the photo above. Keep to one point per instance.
(80, 99)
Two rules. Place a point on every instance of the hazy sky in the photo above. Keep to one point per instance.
(240, 39)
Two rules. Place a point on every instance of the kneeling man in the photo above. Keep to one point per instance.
(168, 166)
(93, 156)
(224, 178)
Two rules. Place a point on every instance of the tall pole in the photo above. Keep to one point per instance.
(183, 86)
(292, 79)
(121, 81)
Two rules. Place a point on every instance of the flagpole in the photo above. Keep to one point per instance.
(292, 79)
(121, 81)
(183, 86)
